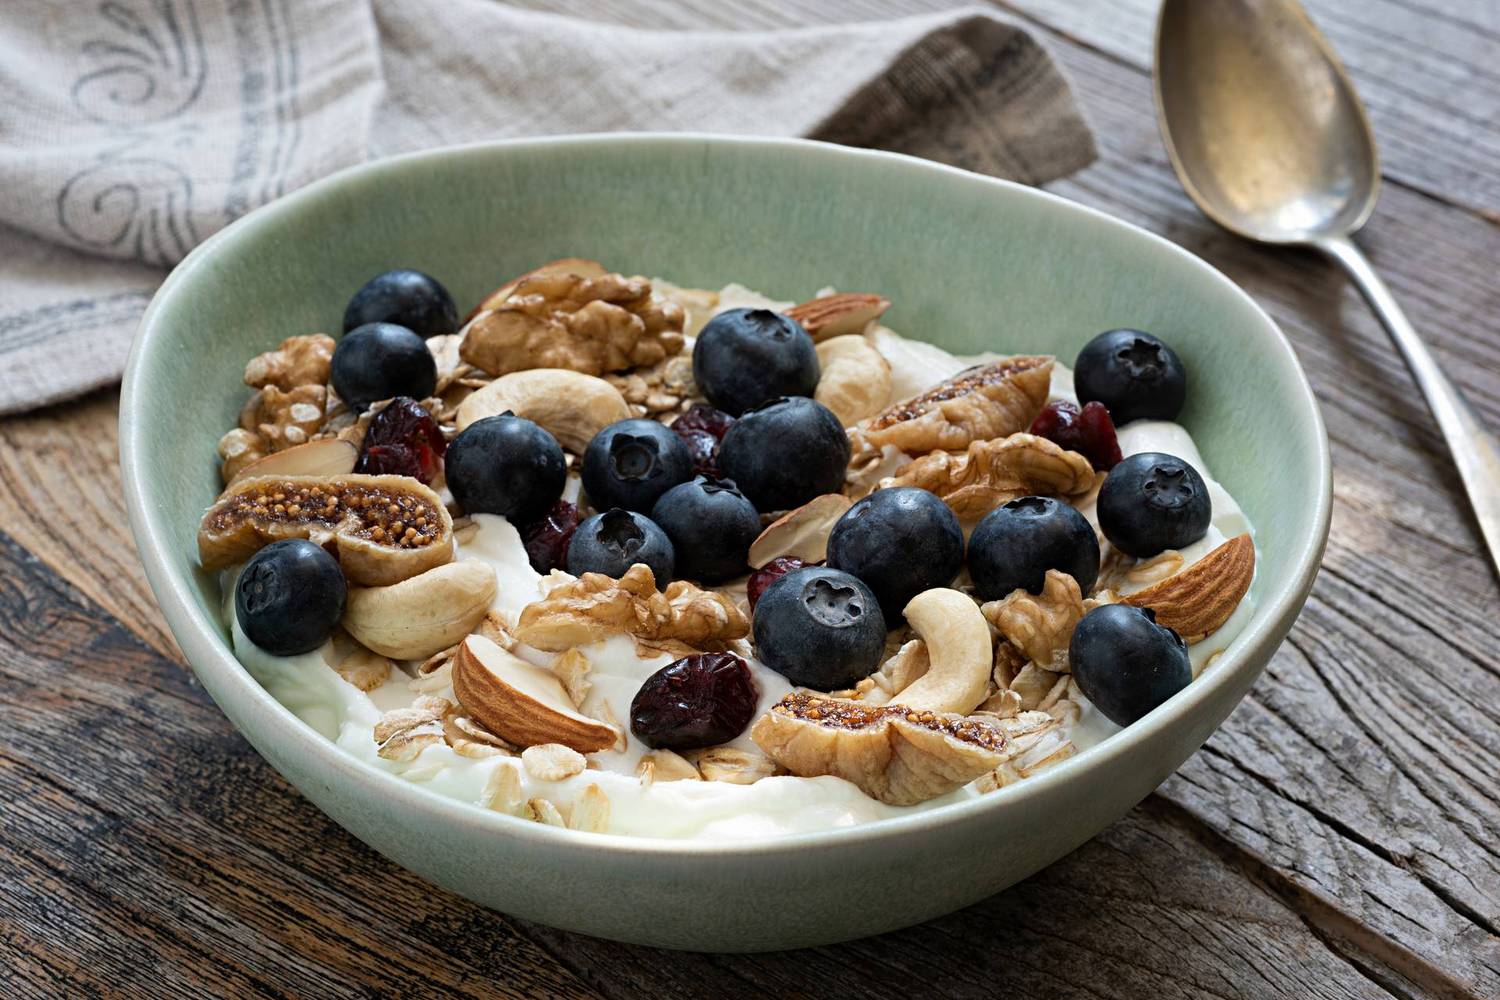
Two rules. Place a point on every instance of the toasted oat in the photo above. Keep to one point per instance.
(572, 668)
(591, 811)
(552, 762)
(1032, 684)
(738, 767)
(469, 739)
(608, 717)
(403, 733)
(502, 792)
(544, 812)
(364, 669)
(667, 765)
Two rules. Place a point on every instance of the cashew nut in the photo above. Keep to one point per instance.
(856, 379)
(572, 406)
(423, 614)
(958, 644)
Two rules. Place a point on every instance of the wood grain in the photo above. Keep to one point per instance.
(156, 854)
(1336, 837)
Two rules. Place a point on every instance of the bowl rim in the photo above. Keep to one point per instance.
(206, 652)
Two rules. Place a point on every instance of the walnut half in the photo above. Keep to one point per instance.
(595, 607)
(593, 325)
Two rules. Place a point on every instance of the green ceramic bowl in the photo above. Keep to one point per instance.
(970, 263)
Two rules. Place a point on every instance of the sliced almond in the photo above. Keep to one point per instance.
(324, 457)
(522, 704)
(836, 315)
(1197, 601)
(801, 533)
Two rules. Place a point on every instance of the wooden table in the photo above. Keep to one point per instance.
(1339, 836)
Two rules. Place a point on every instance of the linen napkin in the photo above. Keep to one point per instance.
(130, 130)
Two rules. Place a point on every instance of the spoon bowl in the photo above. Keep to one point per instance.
(1270, 139)
(1261, 122)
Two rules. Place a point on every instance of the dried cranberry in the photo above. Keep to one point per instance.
(769, 574)
(703, 427)
(402, 440)
(546, 539)
(1090, 432)
(698, 701)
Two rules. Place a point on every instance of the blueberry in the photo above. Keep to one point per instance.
(1132, 373)
(744, 357)
(379, 361)
(711, 526)
(1014, 546)
(506, 465)
(1125, 663)
(785, 452)
(631, 463)
(900, 542)
(1151, 502)
(612, 542)
(290, 597)
(819, 628)
(407, 298)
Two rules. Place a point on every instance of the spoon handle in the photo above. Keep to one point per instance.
(1475, 450)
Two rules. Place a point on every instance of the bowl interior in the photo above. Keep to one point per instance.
(969, 263)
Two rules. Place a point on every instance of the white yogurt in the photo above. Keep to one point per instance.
(311, 689)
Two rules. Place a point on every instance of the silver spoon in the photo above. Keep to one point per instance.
(1270, 139)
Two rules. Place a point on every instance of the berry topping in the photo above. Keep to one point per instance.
(1014, 546)
(1125, 663)
(1151, 502)
(402, 440)
(547, 538)
(819, 627)
(785, 452)
(407, 298)
(744, 357)
(290, 597)
(381, 360)
(900, 541)
(1089, 431)
(1132, 373)
(506, 465)
(695, 702)
(701, 428)
(711, 526)
(612, 542)
(631, 463)
(769, 574)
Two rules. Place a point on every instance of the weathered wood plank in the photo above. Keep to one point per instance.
(1426, 72)
(148, 850)
(60, 496)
